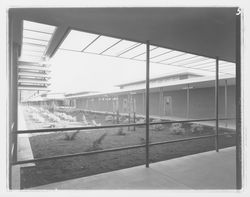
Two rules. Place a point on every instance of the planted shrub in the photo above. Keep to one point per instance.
(157, 127)
(52, 126)
(97, 143)
(70, 135)
(126, 121)
(143, 140)
(109, 118)
(84, 120)
(120, 131)
(96, 124)
(176, 128)
(141, 120)
(196, 128)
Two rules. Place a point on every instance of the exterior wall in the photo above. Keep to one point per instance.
(120, 101)
(101, 106)
(140, 104)
(109, 104)
(179, 102)
(122, 108)
(80, 103)
(154, 103)
(201, 103)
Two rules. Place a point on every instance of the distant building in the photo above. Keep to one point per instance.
(158, 80)
(182, 95)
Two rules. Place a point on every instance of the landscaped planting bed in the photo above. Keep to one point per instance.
(54, 144)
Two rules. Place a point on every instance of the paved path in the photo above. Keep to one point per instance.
(209, 170)
(24, 151)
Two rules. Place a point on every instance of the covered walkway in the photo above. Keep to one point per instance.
(212, 35)
(208, 170)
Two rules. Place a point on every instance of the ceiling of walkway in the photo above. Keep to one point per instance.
(203, 31)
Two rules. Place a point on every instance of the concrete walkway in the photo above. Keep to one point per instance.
(24, 151)
(208, 170)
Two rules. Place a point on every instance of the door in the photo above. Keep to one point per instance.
(125, 105)
(168, 106)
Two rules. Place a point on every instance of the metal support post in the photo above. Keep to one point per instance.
(147, 104)
(238, 101)
(226, 102)
(187, 116)
(216, 106)
(134, 120)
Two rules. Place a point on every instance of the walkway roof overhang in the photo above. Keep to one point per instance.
(208, 32)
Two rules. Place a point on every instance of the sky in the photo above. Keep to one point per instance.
(74, 71)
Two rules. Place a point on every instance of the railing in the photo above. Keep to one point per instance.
(82, 129)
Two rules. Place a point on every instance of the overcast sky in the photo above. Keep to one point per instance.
(74, 71)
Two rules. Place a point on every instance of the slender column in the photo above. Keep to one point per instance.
(238, 101)
(14, 102)
(10, 60)
(129, 103)
(13, 105)
(147, 105)
(133, 101)
(226, 102)
(98, 105)
(160, 101)
(143, 103)
(216, 106)
(86, 103)
(187, 116)
(107, 104)
(159, 104)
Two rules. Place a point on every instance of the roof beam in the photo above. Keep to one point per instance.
(91, 43)
(26, 63)
(172, 57)
(56, 40)
(110, 47)
(129, 49)
(30, 87)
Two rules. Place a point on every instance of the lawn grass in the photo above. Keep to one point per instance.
(63, 169)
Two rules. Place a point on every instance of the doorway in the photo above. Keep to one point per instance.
(168, 106)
